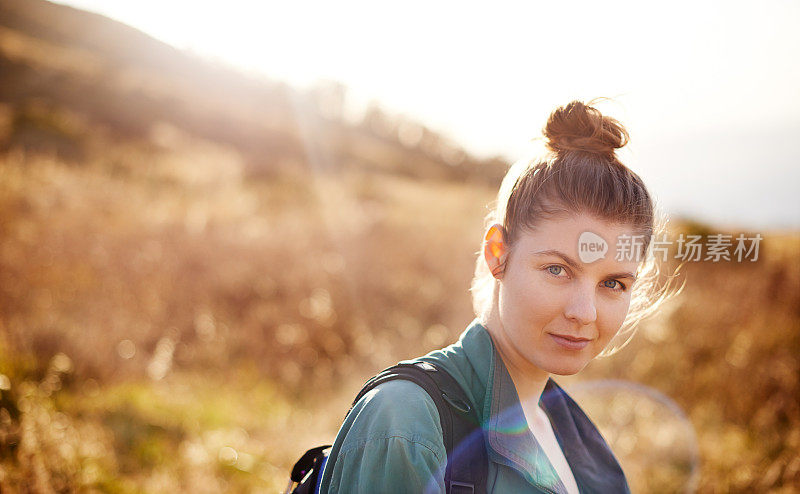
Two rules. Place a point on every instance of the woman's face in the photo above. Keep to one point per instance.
(557, 308)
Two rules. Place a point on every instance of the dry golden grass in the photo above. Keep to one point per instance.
(138, 267)
(171, 325)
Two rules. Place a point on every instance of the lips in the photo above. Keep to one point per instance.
(570, 342)
(570, 338)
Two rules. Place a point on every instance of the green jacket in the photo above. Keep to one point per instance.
(391, 441)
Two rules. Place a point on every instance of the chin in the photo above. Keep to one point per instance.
(565, 369)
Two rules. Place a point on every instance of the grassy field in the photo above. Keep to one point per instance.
(199, 270)
(184, 328)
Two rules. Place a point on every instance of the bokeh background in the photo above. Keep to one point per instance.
(215, 225)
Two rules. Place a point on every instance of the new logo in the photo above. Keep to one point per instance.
(591, 247)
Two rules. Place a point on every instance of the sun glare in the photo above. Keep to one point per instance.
(484, 76)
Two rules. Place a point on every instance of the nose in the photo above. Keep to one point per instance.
(581, 306)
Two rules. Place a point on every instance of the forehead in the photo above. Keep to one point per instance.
(581, 237)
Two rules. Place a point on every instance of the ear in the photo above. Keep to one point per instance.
(494, 250)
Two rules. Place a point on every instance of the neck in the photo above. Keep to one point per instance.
(529, 379)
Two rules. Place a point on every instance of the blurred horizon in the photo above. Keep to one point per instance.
(712, 105)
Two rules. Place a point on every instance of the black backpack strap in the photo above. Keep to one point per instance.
(467, 463)
(306, 472)
(468, 470)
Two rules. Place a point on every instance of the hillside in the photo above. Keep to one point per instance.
(112, 82)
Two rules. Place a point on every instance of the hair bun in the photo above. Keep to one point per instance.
(579, 127)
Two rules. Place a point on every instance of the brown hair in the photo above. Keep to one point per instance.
(580, 174)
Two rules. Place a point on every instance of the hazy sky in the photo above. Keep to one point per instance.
(710, 91)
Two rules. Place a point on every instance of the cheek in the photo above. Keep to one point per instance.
(611, 317)
(533, 299)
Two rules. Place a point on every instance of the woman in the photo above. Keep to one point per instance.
(550, 292)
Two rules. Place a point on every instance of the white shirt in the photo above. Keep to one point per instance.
(543, 432)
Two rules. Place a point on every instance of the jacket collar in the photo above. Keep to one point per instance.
(510, 441)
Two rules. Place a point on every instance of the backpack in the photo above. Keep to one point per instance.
(466, 471)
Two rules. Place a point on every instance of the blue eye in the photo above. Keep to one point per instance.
(557, 268)
(611, 284)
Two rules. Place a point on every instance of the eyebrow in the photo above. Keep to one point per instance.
(577, 267)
